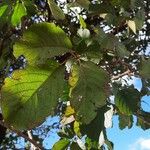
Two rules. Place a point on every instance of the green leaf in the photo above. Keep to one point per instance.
(76, 127)
(145, 69)
(30, 95)
(93, 129)
(62, 144)
(125, 121)
(42, 41)
(56, 11)
(127, 100)
(82, 22)
(143, 120)
(139, 19)
(102, 8)
(30, 7)
(121, 50)
(83, 3)
(18, 13)
(3, 9)
(89, 90)
(92, 145)
(111, 43)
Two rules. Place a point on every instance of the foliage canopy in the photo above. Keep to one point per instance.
(67, 59)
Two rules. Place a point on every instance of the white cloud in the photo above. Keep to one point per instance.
(140, 144)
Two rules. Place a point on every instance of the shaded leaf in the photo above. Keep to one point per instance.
(127, 100)
(31, 95)
(30, 7)
(42, 41)
(74, 146)
(80, 3)
(93, 129)
(55, 10)
(62, 144)
(18, 13)
(89, 91)
(145, 69)
(125, 121)
(143, 120)
(111, 43)
(139, 19)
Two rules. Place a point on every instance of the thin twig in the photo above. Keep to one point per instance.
(19, 133)
(128, 72)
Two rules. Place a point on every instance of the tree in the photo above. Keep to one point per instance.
(66, 58)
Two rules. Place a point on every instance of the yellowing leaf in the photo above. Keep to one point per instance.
(132, 25)
(76, 127)
(69, 111)
(74, 76)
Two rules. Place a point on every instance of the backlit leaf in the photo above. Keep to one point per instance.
(3, 9)
(62, 144)
(42, 41)
(18, 13)
(76, 127)
(82, 22)
(69, 111)
(30, 95)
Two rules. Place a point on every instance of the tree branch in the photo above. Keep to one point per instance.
(19, 133)
(128, 72)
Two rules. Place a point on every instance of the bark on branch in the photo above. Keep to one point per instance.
(19, 133)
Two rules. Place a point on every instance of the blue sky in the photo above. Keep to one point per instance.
(126, 139)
